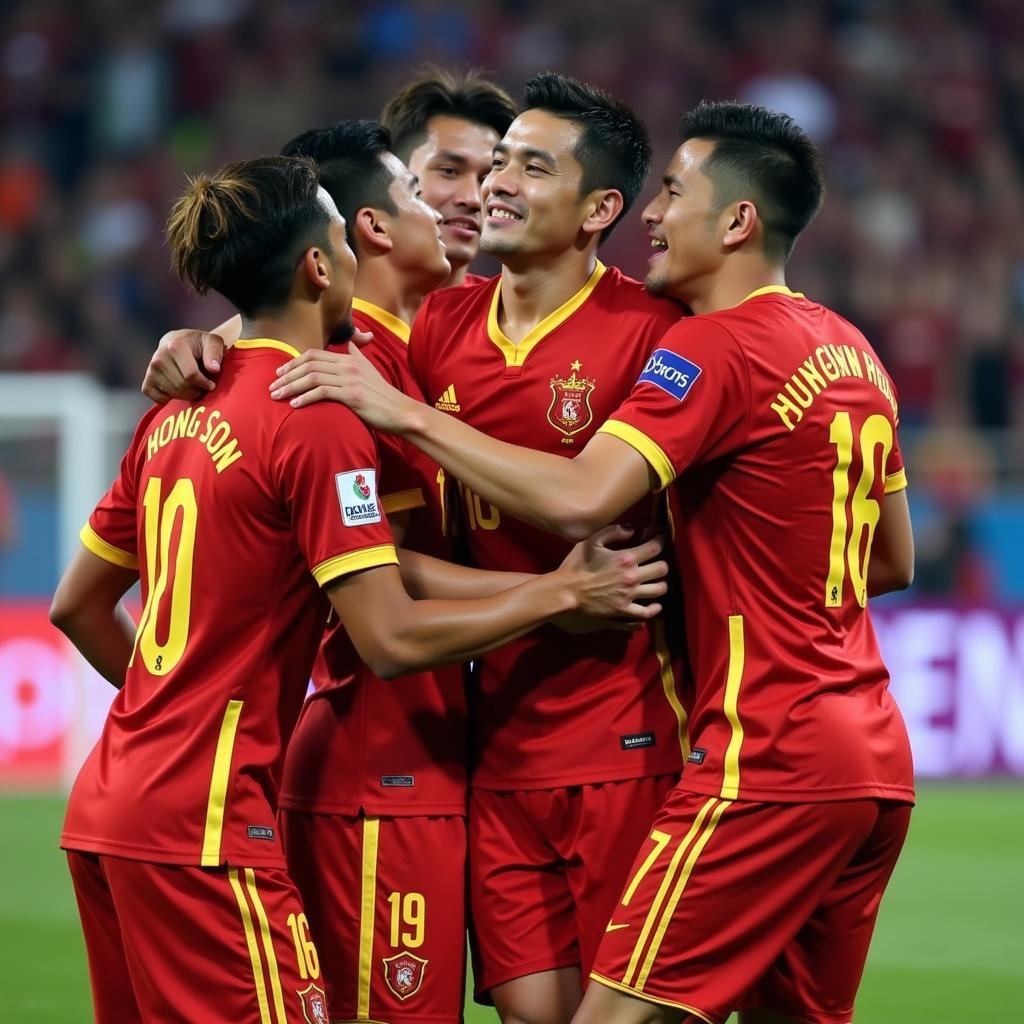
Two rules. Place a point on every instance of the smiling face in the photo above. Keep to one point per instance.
(684, 228)
(451, 163)
(532, 201)
(419, 249)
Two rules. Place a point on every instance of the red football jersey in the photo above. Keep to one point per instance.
(236, 511)
(403, 742)
(553, 709)
(779, 422)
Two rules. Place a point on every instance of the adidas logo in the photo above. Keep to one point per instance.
(448, 402)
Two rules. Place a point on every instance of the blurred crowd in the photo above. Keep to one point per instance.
(918, 106)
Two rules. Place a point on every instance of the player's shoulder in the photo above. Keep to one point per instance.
(327, 424)
(466, 296)
(625, 294)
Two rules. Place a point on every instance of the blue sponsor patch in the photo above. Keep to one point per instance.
(671, 372)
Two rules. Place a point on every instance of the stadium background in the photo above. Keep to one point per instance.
(919, 108)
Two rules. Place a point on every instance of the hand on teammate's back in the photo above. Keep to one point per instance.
(181, 365)
(351, 379)
(611, 582)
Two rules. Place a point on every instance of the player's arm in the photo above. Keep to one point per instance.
(570, 497)
(395, 634)
(424, 576)
(87, 609)
(892, 550)
(185, 361)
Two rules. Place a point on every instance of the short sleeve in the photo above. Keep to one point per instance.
(895, 472)
(401, 487)
(691, 402)
(326, 467)
(111, 532)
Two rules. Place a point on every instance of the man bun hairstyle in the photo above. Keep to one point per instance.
(614, 148)
(764, 156)
(434, 92)
(349, 155)
(242, 230)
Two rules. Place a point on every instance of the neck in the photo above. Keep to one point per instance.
(732, 284)
(299, 326)
(385, 286)
(457, 276)
(532, 291)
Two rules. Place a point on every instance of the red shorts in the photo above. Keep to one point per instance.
(546, 867)
(740, 906)
(172, 943)
(386, 899)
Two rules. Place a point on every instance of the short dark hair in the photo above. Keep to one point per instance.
(765, 155)
(614, 148)
(349, 154)
(435, 91)
(243, 230)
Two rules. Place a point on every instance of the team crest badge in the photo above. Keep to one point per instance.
(314, 1004)
(403, 973)
(570, 410)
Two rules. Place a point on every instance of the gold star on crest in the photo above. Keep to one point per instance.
(575, 365)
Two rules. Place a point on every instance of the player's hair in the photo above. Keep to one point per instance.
(349, 154)
(243, 230)
(614, 148)
(765, 156)
(434, 92)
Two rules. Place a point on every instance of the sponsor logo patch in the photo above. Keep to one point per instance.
(261, 832)
(637, 739)
(314, 1004)
(357, 496)
(697, 755)
(403, 973)
(398, 780)
(671, 372)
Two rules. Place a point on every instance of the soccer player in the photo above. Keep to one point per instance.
(445, 127)
(378, 851)
(172, 846)
(578, 738)
(775, 422)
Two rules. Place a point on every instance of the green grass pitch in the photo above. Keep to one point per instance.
(949, 946)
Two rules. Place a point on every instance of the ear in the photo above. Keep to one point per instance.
(603, 207)
(316, 268)
(741, 222)
(373, 231)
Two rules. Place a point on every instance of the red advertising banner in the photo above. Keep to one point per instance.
(957, 673)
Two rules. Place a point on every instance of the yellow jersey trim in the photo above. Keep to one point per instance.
(896, 481)
(368, 903)
(353, 561)
(281, 346)
(648, 998)
(268, 946)
(733, 681)
(402, 501)
(668, 684)
(219, 785)
(515, 354)
(650, 450)
(98, 546)
(393, 323)
(254, 950)
(629, 978)
(670, 907)
(773, 289)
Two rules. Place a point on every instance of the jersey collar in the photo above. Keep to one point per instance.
(774, 289)
(515, 355)
(281, 346)
(396, 326)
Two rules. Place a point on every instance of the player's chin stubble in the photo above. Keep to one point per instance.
(342, 333)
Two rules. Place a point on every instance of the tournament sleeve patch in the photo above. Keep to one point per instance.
(671, 372)
(357, 495)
